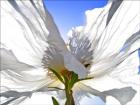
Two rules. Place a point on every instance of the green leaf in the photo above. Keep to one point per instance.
(54, 101)
(57, 75)
(74, 79)
(85, 78)
(66, 82)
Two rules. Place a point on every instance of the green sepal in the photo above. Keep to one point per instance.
(74, 79)
(85, 79)
(66, 82)
(57, 75)
(55, 88)
(55, 102)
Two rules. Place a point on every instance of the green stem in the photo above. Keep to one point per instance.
(69, 97)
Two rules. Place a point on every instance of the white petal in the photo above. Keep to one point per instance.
(20, 37)
(18, 70)
(96, 24)
(96, 18)
(38, 99)
(123, 95)
(84, 39)
(132, 43)
(80, 46)
(15, 95)
(54, 36)
(114, 6)
(105, 65)
(30, 36)
(72, 64)
(91, 100)
(127, 71)
(119, 29)
(111, 100)
(103, 83)
(16, 74)
(53, 59)
(61, 60)
(79, 92)
(9, 61)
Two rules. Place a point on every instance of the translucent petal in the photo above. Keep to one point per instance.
(72, 64)
(34, 34)
(9, 61)
(119, 29)
(123, 95)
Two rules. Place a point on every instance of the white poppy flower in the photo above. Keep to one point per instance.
(104, 51)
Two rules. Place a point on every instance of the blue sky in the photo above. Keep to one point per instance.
(68, 14)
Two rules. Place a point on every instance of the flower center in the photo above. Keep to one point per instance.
(66, 73)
